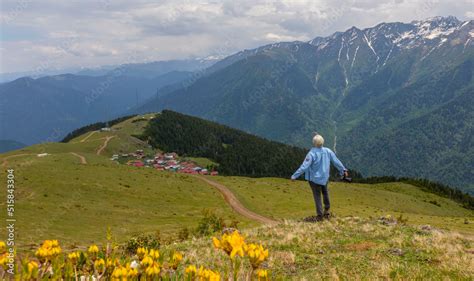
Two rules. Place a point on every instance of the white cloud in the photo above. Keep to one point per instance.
(82, 33)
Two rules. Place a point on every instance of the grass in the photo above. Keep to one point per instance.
(350, 248)
(281, 198)
(57, 197)
(203, 162)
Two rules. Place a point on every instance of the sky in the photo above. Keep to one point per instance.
(47, 34)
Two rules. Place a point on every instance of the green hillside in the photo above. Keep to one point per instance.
(294, 200)
(351, 248)
(75, 193)
(237, 152)
(58, 196)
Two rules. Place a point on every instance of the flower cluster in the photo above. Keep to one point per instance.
(202, 274)
(3, 255)
(149, 262)
(48, 250)
(124, 273)
(106, 263)
(234, 244)
(256, 254)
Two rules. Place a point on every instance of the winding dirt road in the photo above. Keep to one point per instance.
(5, 160)
(82, 158)
(104, 145)
(88, 136)
(230, 198)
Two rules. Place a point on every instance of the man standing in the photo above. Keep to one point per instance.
(316, 167)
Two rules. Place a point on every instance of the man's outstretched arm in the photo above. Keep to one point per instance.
(338, 164)
(306, 163)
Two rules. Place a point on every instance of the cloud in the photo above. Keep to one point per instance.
(91, 33)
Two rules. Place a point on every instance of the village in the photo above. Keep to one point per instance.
(163, 162)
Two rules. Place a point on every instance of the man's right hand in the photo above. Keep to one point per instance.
(346, 174)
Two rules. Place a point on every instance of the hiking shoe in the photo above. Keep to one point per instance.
(313, 219)
(327, 216)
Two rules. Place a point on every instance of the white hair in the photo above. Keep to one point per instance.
(318, 140)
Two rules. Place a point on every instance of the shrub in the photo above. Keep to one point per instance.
(210, 223)
(143, 240)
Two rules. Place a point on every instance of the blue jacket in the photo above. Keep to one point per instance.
(316, 165)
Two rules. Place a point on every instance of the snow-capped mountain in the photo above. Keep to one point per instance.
(386, 39)
(361, 88)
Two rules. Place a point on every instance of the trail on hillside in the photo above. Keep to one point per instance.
(82, 158)
(88, 136)
(104, 145)
(5, 160)
(230, 198)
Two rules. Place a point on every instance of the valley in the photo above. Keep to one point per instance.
(75, 186)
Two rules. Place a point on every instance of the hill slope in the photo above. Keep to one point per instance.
(237, 153)
(348, 248)
(359, 88)
(76, 192)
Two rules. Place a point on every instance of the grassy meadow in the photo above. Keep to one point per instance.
(60, 197)
(350, 248)
(283, 199)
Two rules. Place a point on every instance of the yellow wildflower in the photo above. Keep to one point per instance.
(147, 261)
(32, 270)
(191, 271)
(48, 250)
(119, 273)
(176, 259)
(262, 275)
(3, 247)
(109, 263)
(3, 260)
(153, 270)
(99, 265)
(154, 254)
(208, 275)
(93, 250)
(256, 254)
(73, 257)
(231, 244)
(132, 272)
(142, 252)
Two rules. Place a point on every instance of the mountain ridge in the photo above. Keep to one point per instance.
(336, 84)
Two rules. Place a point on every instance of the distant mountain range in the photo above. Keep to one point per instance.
(9, 145)
(47, 108)
(393, 99)
(148, 69)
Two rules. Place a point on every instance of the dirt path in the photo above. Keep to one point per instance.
(82, 158)
(104, 145)
(88, 136)
(230, 198)
(5, 160)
